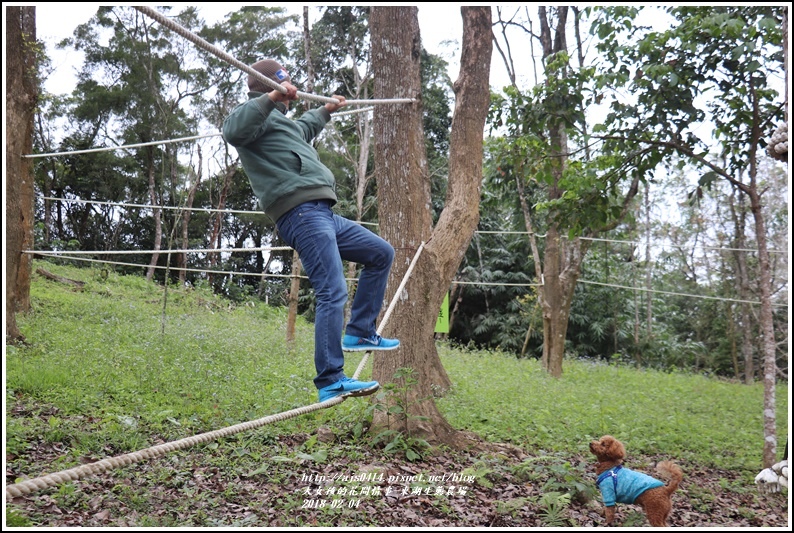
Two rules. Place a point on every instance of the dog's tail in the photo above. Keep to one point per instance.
(672, 472)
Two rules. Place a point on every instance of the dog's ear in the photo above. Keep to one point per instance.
(613, 447)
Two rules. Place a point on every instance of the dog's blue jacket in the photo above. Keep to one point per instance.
(621, 485)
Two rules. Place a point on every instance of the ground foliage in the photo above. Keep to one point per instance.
(261, 480)
(100, 377)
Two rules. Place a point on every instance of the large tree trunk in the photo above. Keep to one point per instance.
(404, 200)
(563, 257)
(766, 321)
(21, 99)
(766, 317)
(561, 265)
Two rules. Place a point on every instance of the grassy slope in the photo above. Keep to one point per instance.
(106, 373)
(680, 415)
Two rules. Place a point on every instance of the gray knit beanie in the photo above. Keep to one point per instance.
(271, 69)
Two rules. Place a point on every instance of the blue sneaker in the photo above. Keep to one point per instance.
(348, 387)
(360, 344)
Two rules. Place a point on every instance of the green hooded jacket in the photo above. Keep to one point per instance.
(282, 166)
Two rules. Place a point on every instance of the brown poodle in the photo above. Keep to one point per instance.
(621, 485)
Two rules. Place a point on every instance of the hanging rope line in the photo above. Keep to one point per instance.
(453, 282)
(352, 112)
(703, 297)
(480, 232)
(176, 268)
(181, 139)
(172, 251)
(702, 247)
(73, 474)
(201, 43)
(124, 147)
(149, 206)
(165, 207)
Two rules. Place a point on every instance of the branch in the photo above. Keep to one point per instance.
(688, 152)
(60, 279)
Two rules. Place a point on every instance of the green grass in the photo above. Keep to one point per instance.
(108, 372)
(109, 353)
(710, 421)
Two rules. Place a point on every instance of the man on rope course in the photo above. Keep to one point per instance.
(296, 190)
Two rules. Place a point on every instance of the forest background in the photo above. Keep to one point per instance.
(667, 287)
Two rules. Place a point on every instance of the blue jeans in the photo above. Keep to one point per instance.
(322, 240)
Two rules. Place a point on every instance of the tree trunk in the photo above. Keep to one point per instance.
(186, 214)
(648, 267)
(766, 317)
(21, 100)
(48, 177)
(158, 223)
(561, 264)
(217, 222)
(404, 197)
(364, 133)
(738, 214)
(294, 290)
(562, 258)
(766, 320)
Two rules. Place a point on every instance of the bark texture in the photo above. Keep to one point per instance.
(21, 100)
(404, 203)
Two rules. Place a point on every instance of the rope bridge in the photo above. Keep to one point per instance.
(73, 474)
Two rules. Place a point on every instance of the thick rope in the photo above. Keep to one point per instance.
(201, 43)
(50, 480)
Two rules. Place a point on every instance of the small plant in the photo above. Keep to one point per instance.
(747, 514)
(400, 441)
(511, 507)
(553, 507)
(737, 486)
(15, 519)
(566, 478)
(480, 472)
(635, 519)
(559, 476)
